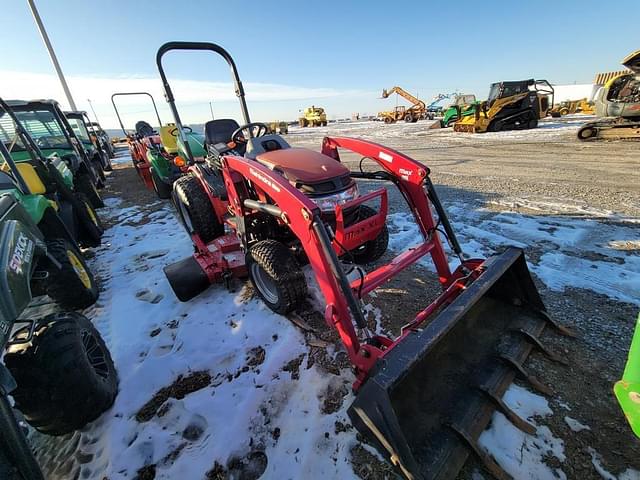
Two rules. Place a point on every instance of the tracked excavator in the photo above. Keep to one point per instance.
(618, 103)
(417, 110)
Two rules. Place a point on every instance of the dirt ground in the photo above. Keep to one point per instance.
(537, 173)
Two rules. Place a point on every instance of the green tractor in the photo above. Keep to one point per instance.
(45, 122)
(463, 106)
(57, 367)
(80, 124)
(45, 185)
(159, 157)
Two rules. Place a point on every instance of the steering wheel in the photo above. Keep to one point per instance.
(174, 132)
(42, 142)
(261, 130)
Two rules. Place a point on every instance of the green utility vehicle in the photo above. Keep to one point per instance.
(47, 183)
(103, 138)
(45, 122)
(464, 105)
(37, 258)
(97, 153)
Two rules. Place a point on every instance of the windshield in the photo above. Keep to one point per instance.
(79, 128)
(8, 134)
(43, 128)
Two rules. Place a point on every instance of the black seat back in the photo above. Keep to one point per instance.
(216, 131)
(144, 129)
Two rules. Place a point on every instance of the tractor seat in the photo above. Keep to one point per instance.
(264, 144)
(169, 142)
(144, 129)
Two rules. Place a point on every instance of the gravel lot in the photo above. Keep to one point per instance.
(540, 189)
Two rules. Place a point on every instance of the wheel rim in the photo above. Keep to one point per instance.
(95, 354)
(78, 267)
(92, 214)
(264, 283)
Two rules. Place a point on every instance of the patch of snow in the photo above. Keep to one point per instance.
(575, 425)
(215, 332)
(579, 252)
(596, 460)
(519, 454)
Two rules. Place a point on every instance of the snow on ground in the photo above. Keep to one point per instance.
(596, 460)
(520, 454)
(576, 252)
(249, 405)
(549, 129)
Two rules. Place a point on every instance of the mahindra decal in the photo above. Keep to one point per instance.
(264, 180)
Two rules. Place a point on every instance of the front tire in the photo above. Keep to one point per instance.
(72, 285)
(195, 209)
(84, 184)
(91, 228)
(99, 169)
(373, 249)
(276, 276)
(65, 374)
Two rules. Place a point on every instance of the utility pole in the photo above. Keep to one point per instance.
(211, 108)
(52, 54)
(94, 112)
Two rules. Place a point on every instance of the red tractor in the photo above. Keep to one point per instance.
(257, 206)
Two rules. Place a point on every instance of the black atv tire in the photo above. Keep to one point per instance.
(17, 461)
(161, 188)
(91, 229)
(276, 276)
(65, 374)
(195, 209)
(84, 185)
(72, 285)
(408, 118)
(373, 249)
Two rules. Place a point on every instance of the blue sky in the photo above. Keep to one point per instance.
(291, 54)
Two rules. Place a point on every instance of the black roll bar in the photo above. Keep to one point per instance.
(121, 94)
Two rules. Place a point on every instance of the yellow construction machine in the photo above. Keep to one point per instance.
(417, 110)
(568, 107)
(313, 117)
(510, 106)
(619, 103)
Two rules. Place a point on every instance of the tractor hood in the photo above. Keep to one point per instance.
(632, 61)
(299, 165)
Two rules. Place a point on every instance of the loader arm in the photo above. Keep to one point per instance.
(416, 102)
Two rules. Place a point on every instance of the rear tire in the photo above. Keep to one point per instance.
(99, 169)
(276, 276)
(195, 209)
(72, 285)
(65, 375)
(84, 185)
(373, 249)
(91, 228)
(161, 188)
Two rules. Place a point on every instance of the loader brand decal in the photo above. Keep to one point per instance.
(386, 157)
(21, 254)
(361, 228)
(264, 179)
(404, 171)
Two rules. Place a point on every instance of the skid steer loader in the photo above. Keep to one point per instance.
(510, 106)
(619, 103)
(424, 398)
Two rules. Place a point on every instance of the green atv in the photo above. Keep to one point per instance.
(97, 153)
(463, 106)
(57, 367)
(159, 157)
(44, 185)
(46, 124)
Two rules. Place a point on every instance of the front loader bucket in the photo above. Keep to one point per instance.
(187, 278)
(430, 397)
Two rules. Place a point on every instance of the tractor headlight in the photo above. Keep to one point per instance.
(330, 202)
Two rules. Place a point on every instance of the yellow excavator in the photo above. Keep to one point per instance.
(417, 110)
(510, 106)
(618, 101)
